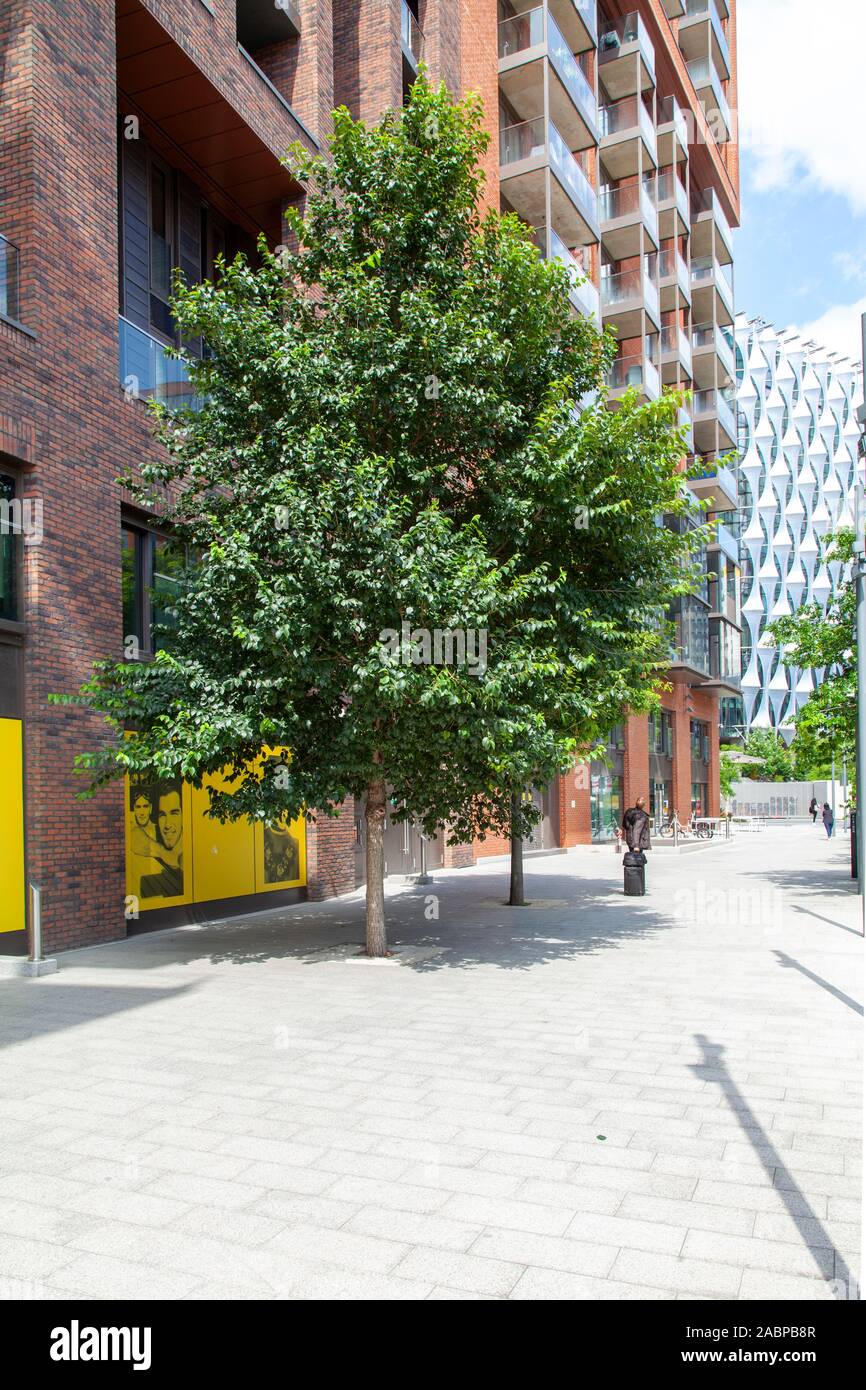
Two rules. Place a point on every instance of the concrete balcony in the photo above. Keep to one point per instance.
(701, 35)
(626, 57)
(674, 283)
(708, 86)
(712, 291)
(713, 482)
(534, 55)
(673, 205)
(628, 137)
(625, 297)
(715, 422)
(711, 230)
(578, 20)
(535, 163)
(672, 131)
(628, 218)
(676, 355)
(712, 354)
(582, 292)
(637, 373)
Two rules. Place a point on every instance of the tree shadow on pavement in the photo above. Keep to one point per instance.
(571, 917)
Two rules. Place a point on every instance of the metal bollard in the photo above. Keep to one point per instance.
(36, 923)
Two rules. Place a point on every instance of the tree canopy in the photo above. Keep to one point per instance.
(402, 433)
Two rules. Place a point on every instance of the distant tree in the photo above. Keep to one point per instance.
(773, 758)
(823, 639)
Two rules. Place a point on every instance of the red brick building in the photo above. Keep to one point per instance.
(136, 135)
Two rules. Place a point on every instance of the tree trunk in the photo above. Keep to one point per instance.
(377, 939)
(516, 898)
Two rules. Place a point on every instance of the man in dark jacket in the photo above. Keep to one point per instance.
(636, 826)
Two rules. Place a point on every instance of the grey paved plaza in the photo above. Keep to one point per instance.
(591, 1098)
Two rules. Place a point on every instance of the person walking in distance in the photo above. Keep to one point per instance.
(827, 818)
(813, 809)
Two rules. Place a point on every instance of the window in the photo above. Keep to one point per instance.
(153, 567)
(700, 740)
(8, 551)
(161, 251)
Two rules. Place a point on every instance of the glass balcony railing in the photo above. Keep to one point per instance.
(701, 9)
(572, 176)
(527, 30)
(672, 266)
(703, 74)
(671, 113)
(9, 304)
(671, 190)
(521, 31)
(676, 344)
(587, 9)
(719, 404)
(522, 141)
(621, 288)
(710, 335)
(706, 270)
(708, 201)
(526, 140)
(614, 203)
(618, 34)
(628, 114)
(571, 74)
(692, 641)
(411, 33)
(147, 374)
(582, 292)
(637, 372)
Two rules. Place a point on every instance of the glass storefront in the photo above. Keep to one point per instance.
(605, 799)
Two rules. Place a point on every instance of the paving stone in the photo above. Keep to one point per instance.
(274, 1125)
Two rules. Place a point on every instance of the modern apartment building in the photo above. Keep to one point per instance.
(137, 135)
(798, 469)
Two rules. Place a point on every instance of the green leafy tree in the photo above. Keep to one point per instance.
(773, 758)
(390, 447)
(729, 775)
(823, 639)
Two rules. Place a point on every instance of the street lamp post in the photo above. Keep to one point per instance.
(860, 579)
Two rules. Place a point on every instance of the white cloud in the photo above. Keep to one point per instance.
(801, 76)
(851, 265)
(838, 329)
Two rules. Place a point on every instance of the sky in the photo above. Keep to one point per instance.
(800, 253)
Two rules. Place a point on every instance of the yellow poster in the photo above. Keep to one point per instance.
(223, 855)
(176, 854)
(281, 855)
(158, 843)
(12, 900)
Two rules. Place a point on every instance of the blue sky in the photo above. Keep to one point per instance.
(801, 250)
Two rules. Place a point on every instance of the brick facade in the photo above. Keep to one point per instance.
(66, 428)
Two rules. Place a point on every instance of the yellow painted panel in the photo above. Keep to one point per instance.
(11, 826)
(281, 855)
(158, 843)
(223, 855)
